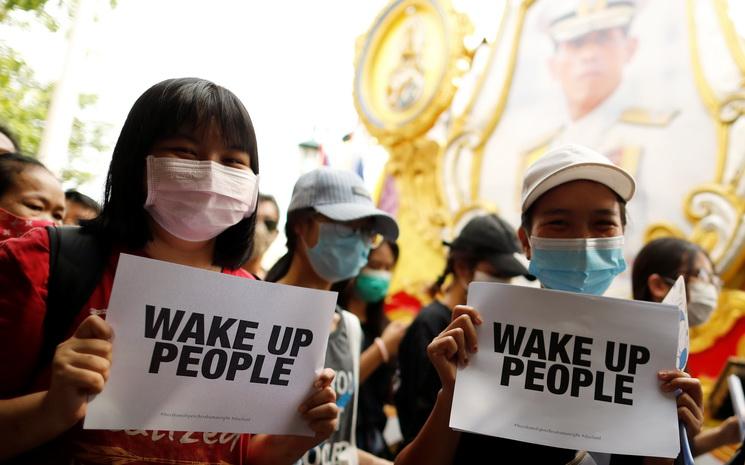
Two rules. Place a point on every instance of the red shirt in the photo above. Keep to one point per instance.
(24, 272)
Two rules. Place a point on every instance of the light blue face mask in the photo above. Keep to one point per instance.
(340, 252)
(587, 266)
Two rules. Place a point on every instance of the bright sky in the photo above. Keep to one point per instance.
(291, 62)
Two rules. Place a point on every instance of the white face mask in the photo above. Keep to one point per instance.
(703, 300)
(197, 200)
(482, 277)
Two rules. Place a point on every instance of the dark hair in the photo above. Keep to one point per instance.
(9, 134)
(470, 257)
(669, 257)
(269, 198)
(13, 164)
(376, 319)
(526, 219)
(186, 104)
(280, 269)
(74, 196)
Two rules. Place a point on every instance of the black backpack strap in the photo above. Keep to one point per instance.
(76, 264)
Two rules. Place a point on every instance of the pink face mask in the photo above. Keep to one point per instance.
(197, 200)
(14, 226)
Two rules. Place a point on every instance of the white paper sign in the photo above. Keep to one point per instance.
(569, 370)
(196, 350)
(677, 296)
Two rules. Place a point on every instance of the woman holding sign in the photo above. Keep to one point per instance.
(573, 245)
(182, 188)
(332, 224)
(656, 267)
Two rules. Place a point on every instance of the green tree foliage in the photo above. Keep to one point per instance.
(37, 7)
(24, 102)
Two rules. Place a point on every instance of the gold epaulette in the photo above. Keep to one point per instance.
(646, 117)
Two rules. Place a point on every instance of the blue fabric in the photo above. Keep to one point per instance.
(338, 256)
(587, 266)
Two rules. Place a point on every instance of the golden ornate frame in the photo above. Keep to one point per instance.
(715, 210)
(414, 157)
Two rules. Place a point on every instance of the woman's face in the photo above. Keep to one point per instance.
(575, 210)
(381, 258)
(35, 194)
(206, 144)
(701, 270)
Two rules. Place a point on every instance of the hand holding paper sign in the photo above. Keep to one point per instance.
(690, 401)
(214, 353)
(321, 413)
(539, 351)
(80, 368)
(320, 409)
(452, 346)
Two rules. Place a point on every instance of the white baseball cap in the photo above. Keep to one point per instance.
(573, 163)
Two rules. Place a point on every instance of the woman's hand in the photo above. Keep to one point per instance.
(690, 401)
(80, 368)
(452, 346)
(319, 410)
(392, 335)
(729, 431)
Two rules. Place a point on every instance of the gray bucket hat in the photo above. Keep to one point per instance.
(341, 196)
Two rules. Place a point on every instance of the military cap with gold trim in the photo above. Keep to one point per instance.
(570, 19)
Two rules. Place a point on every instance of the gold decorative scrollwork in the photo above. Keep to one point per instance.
(458, 129)
(420, 214)
(406, 67)
(501, 103)
(717, 209)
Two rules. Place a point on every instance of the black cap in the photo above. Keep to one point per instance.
(492, 238)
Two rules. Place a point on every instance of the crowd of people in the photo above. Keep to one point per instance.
(337, 239)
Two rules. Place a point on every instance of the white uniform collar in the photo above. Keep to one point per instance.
(590, 129)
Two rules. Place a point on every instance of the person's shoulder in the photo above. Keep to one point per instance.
(432, 317)
(30, 247)
(435, 309)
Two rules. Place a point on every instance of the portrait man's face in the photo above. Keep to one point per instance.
(589, 68)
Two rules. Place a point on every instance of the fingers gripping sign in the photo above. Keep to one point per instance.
(452, 346)
(319, 410)
(689, 399)
(80, 368)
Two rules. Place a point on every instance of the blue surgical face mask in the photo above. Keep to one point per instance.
(340, 252)
(587, 266)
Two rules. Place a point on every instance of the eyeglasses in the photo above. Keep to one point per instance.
(368, 235)
(702, 275)
(707, 277)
